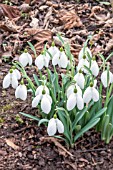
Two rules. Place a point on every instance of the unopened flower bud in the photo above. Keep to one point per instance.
(55, 116)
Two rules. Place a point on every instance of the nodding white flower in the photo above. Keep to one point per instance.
(54, 125)
(71, 88)
(53, 49)
(60, 58)
(10, 79)
(42, 60)
(16, 72)
(91, 93)
(42, 94)
(94, 68)
(21, 92)
(75, 99)
(105, 78)
(84, 52)
(80, 80)
(83, 62)
(25, 58)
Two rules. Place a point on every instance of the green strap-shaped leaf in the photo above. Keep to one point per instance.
(88, 126)
(29, 116)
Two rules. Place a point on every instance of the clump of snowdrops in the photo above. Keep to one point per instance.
(69, 96)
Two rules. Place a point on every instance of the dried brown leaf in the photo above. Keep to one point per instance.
(47, 16)
(61, 149)
(70, 19)
(109, 45)
(100, 13)
(41, 35)
(11, 144)
(9, 25)
(10, 11)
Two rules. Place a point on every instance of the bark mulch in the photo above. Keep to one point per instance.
(24, 145)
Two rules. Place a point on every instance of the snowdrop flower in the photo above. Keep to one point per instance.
(83, 62)
(94, 68)
(10, 79)
(42, 94)
(71, 88)
(104, 78)
(60, 58)
(54, 125)
(53, 49)
(75, 99)
(91, 93)
(79, 78)
(42, 60)
(21, 92)
(84, 52)
(25, 58)
(16, 72)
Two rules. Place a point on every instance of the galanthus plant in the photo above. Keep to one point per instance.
(69, 96)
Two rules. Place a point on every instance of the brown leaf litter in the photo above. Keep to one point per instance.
(61, 149)
(70, 19)
(9, 11)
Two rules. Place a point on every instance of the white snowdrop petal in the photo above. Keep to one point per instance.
(49, 98)
(36, 101)
(80, 64)
(46, 62)
(17, 73)
(21, 92)
(104, 78)
(39, 62)
(14, 82)
(45, 105)
(55, 59)
(53, 50)
(63, 60)
(39, 90)
(95, 94)
(60, 126)
(71, 102)
(51, 129)
(70, 90)
(84, 52)
(29, 59)
(95, 83)
(79, 78)
(80, 102)
(23, 59)
(6, 81)
(94, 68)
(86, 63)
(79, 91)
(87, 96)
(112, 78)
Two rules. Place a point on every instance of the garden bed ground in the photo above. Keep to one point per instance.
(24, 145)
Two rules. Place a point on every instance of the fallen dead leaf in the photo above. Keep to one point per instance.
(11, 144)
(109, 45)
(61, 149)
(100, 13)
(9, 25)
(47, 16)
(10, 11)
(41, 35)
(70, 19)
